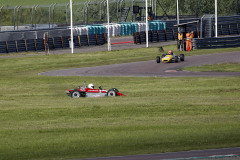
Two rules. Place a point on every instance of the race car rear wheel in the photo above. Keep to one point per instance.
(76, 94)
(181, 57)
(158, 59)
(176, 59)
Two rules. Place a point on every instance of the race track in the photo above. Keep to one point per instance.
(153, 69)
(216, 154)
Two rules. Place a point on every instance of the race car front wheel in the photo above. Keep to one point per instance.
(176, 59)
(158, 59)
(112, 92)
(181, 57)
(75, 94)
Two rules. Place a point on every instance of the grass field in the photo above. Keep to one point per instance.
(39, 121)
(223, 67)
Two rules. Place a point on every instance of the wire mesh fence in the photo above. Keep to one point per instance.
(23, 17)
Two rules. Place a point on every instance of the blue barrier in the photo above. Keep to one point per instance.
(92, 40)
(51, 43)
(219, 42)
(11, 46)
(40, 45)
(153, 36)
(84, 40)
(3, 47)
(101, 39)
(57, 43)
(76, 41)
(21, 46)
(30, 45)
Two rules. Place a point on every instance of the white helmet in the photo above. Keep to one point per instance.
(91, 86)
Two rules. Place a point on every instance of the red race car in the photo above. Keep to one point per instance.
(89, 91)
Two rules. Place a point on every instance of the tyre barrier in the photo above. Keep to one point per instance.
(225, 28)
(153, 36)
(216, 42)
(51, 43)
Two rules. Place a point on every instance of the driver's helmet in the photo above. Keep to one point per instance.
(91, 86)
(170, 52)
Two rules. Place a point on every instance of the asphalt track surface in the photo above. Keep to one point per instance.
(216, 154)
(153, 69)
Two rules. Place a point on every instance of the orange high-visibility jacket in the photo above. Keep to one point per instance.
(188, 36)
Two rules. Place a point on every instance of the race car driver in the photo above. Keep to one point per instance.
(170, 52)
(91, 86)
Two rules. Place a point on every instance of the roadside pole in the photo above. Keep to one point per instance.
(71, 26)
(109, 40)
(177, 13)
(216, 19)
(146, 23)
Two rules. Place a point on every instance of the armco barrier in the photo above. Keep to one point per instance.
(219, 42)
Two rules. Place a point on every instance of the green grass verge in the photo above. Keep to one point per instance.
(223, 67)
(39, 121)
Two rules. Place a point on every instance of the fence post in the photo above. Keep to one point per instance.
(50, 14)
(67, 13)
(196, 8)
(1, 18)
(117, 9)
(201, 34)
(36, 16)
(14, 18)
(105, 10)
(121, 9)
(18, 15)
(100, 16)
(53, 14)
(32, 16)
(87, 11)
(84, 14)
(155, 8)
(237, 7)
(132, 10)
